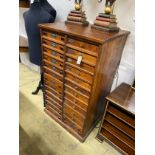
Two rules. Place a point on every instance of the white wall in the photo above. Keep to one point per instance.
(124, 9)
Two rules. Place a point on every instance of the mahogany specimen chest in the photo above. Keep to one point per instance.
(118, 123)
(79, 64)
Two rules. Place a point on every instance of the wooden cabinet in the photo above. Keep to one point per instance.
(79, 64)
(118, 123)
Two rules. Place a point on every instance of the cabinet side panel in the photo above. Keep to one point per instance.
(107, 66)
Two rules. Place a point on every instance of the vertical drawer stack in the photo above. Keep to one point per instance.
(53, 68)
(78, 82)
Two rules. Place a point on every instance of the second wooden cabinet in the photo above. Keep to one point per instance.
(79, 65)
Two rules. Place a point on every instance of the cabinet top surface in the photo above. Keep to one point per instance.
(83, 32)
(123, 96)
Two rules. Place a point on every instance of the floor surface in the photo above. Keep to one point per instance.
(40, 135)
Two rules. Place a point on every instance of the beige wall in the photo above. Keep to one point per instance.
(124, 9)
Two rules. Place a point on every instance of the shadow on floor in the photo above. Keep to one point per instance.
(30, 144)
(27, 145)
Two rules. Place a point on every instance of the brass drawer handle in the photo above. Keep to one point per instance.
(54, 44)
(62, 38)
(72, 125)
(54, 68)
(54, 53)
(79, 131)
(69, 60)
(61, 56)
(81, 45)
(61, 72)
(71, 40)
(61, 65)
(54, 35)
(53, 60)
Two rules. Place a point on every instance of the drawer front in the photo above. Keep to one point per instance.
(83, 45)
(54, 76)
(52, 96)
(121, 114)
(76, 107)
(79, 82)
(52, 80)
(52, 100)
(73, 125)
(54, 35)
(78, 73)
(73, 115)
(84, 66)
(57, 86)
(53, 68)
(54, 112)
(53, 61)
(76, 94)
(88, 59)
(53, 44)
(76, 101)
(80, 90)
(54, 105)
(54, 92)
(54, 53)
(120, 125)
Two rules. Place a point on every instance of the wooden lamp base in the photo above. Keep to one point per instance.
(116, 29)
(77, 17)
(106, 22)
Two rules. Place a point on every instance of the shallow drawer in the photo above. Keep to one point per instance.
(56, 86)
(84, 66)
(54, 92)
(53, 101)
(53, 53)
(52, 80)
(80, 90)
(53, 61)
(53, 96)
(76, 93)
(72, 124)
(121, 114)
(53, 44)
(54, 106)
(76, 107)
(88, 59)
(54, 35)
(116, 142)
(126, 129)
(53, 68)
(76, 101)
(80, 74)
(79, 82)
(49, 64)
(73, 115)
(54, 112)
(54, 75)
(83, 45)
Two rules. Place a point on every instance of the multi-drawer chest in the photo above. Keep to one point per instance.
(79, 64)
